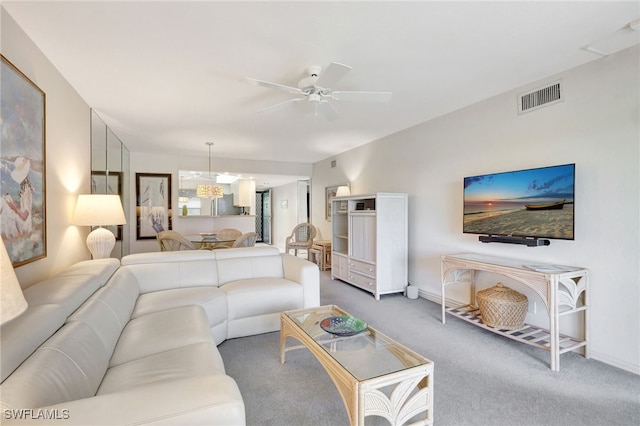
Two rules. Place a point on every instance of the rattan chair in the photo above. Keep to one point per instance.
(301, 238)
(228, 234)
(173, 241)
(247, 239)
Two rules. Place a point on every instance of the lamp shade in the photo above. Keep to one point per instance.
(209, 191)
(343, 191)
(12, 301)
(98, 210)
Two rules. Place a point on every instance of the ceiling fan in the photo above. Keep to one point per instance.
(316, 89)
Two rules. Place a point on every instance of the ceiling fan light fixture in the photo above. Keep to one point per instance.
(314, 97)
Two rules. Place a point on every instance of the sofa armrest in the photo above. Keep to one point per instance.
(207, 400)
(307, 274)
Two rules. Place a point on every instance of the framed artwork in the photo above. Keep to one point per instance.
(22, 168)
(153, 204)
(103, 183)
(329, 193)
(111, 183)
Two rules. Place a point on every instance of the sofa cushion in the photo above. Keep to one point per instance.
(212, 299)
(71, 288)
(187, 361)
(121, 294)
(240, 268)
(70, 365)
(176, 269)
(204, 400)
(109, 309)
(259, 296)
(69, 292)
(161, 331)
(22, 336)
(100, 269)
(49, 303)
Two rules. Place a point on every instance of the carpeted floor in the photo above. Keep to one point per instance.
(480, 378)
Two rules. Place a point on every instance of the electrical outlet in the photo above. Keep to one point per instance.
(532, 307)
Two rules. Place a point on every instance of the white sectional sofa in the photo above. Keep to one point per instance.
(135, 343)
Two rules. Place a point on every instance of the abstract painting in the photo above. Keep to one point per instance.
(153, 204)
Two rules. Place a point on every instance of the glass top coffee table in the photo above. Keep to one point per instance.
(361, 365)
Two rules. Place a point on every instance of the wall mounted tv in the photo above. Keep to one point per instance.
(527, 204)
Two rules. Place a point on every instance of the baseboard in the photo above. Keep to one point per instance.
(437, 298)
(614, 362)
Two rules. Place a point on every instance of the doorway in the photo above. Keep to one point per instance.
(263, 216)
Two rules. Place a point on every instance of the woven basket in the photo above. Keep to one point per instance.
(502, 307)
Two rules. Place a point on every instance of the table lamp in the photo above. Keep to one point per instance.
(343, 191)
(99, 210)
(12, 301)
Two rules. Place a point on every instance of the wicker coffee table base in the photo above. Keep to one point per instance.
(365, 398)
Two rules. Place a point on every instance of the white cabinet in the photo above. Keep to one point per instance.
(339, 266)
(369, 241)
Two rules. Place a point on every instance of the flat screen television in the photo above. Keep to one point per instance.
(532, 203)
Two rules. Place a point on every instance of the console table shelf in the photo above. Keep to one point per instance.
(563, 290)
(529, 334)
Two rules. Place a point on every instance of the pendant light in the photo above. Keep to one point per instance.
(210, 191)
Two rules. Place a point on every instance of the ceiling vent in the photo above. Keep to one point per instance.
(541, 97)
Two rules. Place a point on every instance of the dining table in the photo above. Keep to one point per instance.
(211, 241)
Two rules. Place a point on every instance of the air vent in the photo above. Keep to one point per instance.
(539, 98)
(333, 164)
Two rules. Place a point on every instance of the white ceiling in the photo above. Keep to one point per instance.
(169, 76)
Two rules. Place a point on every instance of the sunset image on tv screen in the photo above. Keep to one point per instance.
(528, 203)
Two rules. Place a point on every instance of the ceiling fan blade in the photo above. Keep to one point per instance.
(281, 105)
(274, 86)
(334, 72)
(327, 110)
(362, 96)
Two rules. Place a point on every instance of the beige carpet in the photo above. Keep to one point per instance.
(480, 378)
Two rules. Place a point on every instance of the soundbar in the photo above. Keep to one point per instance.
(529, 242)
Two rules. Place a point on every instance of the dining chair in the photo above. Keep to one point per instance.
(248, 239)
(228, 235)
(173, 241)
(301, 238)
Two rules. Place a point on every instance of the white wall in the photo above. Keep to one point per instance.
(596, 127)
(67, 154)
(161, 163)
(285, 219)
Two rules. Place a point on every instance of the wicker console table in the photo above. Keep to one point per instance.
(563, 290)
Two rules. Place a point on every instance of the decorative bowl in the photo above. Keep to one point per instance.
(343, 325)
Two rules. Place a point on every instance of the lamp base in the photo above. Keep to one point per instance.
(101, 242)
